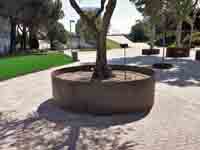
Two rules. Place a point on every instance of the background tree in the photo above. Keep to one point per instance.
(47, 14)
(192, 19)
(85, 32)
(181, 9)
(57, 32)
(53, 26)
(9, 9)
(23, 14)
(177, 10)
(138, 32)
(102, 69)
(152, 11)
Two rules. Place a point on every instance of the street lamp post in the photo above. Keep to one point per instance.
(74, 53)
(70, 28)
(124, 46)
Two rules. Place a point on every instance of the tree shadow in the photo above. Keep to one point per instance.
(138, 60)
(52, 128)
(185, 72)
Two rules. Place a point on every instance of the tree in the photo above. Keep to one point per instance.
(57, 32)
(191, 20)
(102, 70)
(181, 9)
(31, 20)
(138, 33)
(23, 15)
(85, 31)
(10, 9)
(158, 14)
(197, 21)
(47, 14)
(152, 11)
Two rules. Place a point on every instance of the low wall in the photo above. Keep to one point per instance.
(104, 97)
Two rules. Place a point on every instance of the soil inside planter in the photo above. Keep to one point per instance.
(118, 75)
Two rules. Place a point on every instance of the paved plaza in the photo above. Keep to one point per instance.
(29, 120)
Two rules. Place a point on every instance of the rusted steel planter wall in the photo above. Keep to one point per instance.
(104, 97)
(150, 51)
(197, 57)
(178, 52)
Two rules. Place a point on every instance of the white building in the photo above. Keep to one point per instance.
(4, 35)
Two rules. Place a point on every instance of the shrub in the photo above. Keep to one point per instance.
(195, 39)
(138, 33)
(168, 41)
(56, 45)
(172, 45)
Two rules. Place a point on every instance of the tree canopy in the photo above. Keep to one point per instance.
(106, 10)
(57, 32)
(177, 12)
(31, 15)
(85, 32)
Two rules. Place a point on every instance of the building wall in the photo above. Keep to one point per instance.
(4, 35)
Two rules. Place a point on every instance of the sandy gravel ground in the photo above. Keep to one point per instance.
(30, 121)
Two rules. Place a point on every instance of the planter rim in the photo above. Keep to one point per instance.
(143, 70)
(151, 49)
(178, 47)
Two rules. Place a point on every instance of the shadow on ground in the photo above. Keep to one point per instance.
(52, 128)
(186, 72)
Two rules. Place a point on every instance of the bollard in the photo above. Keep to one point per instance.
(75, 55)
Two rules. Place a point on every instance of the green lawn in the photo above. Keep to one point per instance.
(19, 65)
(110, 45)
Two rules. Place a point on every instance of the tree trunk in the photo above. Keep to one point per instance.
(164, 45)
(24, 38)
(102, 70)
(191, 31)
(13, 35)
(51, 43)
(30, 37)
(179, 34)
(192, 26)
(33, 40)
(153, 34)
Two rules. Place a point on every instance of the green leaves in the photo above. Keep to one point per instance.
(57, 32)
(181, 8)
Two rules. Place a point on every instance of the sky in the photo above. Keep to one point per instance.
(125, 15)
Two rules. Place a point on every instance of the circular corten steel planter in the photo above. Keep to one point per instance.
(178, 52)
(104, 97)
(150, 51)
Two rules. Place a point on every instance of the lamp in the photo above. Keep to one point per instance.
(124, 46)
